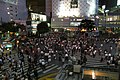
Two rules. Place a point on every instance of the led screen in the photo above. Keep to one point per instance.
(118, 2)
(11, 1)
(74, 8)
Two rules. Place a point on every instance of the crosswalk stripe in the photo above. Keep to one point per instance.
(50, 69)
(50, 66)
(92, 62)
(59, 68)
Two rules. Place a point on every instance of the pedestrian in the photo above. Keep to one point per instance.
(35, 74)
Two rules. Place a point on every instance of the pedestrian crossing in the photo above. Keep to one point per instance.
(48, 67)
(95, 62)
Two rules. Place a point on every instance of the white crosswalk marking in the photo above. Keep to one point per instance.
(94, 62)
(50, 69)
(59, 68)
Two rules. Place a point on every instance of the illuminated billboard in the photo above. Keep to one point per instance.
(11, 1)
(74, 8)
(118, 2)
(38, 17)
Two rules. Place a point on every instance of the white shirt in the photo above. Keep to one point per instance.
(66, 55)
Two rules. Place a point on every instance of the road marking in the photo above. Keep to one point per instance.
(50, 66)
(59, 68)
(39, 71)
(48, 76)
(50, 69)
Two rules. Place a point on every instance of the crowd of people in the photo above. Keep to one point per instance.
(55, 47)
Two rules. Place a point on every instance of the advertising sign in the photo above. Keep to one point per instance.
(11, 1)
(38, 17)
(118, 2)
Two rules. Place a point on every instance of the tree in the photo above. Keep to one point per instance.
(42, 28)
(87, 24)
(10, 27)
(21, 26)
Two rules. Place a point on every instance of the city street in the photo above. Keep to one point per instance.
(59, 39)
(53, 62)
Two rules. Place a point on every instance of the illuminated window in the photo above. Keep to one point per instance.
(74, 4)
(7, 7)
(8, 12)
(118, 2)
(79, 19)
(53, 19)
(61, 19)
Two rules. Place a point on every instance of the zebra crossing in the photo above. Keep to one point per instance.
(48, 68)
(95, 62)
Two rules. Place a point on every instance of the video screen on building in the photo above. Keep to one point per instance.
(118, 2)
(11, 1)
(74, 4)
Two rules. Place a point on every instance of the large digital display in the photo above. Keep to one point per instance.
(67, 8)
(92, 6)
(118, 2)
(74, 8)
(11, 1)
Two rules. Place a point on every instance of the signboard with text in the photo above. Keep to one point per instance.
(118, 2)
(10, 1)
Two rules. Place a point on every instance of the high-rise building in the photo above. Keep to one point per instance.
(118, 2)
(37, 6)
(109, 18)
(49, 8)
(11, 10)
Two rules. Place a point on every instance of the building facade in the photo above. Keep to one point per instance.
(36, 6)
(109, 3)
(48, 8)
(110, 20)
(69, 13)
(11, 10)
